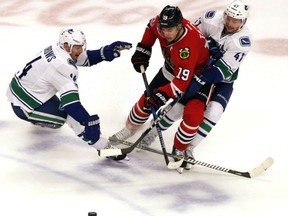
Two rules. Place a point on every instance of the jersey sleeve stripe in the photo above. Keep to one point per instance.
(23, 95)
(69, 98)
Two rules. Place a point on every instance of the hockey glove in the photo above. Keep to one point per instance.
(109, 52)
(141, 57)
(91, 133)
(157, 99)
(215, 52)
(195, 85)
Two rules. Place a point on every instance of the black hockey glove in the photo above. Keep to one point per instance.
(215, 52)
(157, 99)
(91, 133)
(109, 52)
(141, 57)
(195, 85)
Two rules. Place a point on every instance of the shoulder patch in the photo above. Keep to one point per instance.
(184, 53)
(71, 62)
(245, 41)
(210, 14)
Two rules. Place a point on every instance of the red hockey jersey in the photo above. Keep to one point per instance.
(183, 57)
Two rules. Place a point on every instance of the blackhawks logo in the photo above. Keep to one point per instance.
(184, 53)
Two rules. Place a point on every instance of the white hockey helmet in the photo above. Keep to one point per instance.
(238, 10)
(72, 36)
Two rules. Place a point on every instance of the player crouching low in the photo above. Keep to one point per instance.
(32, 91)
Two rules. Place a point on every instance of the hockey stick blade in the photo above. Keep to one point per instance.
(123, 151)
(251, 174)
(116, 151)
(109, 152)
(175, 165)
(262, 167)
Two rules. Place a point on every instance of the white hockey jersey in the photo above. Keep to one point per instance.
(51, 71)
(235, 47)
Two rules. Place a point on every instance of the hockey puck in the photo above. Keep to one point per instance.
(92, 214)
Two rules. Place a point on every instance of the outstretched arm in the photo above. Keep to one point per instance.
(106, 53)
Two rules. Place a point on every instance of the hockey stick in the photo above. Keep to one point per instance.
(125, 151)
(248, 174)
(116, 151)
(178, 160)
(163, 147)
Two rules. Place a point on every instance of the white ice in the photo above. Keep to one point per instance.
(51, 172)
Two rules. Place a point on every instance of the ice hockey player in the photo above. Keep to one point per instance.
(54, 70)
(229, 43)
(185, 52)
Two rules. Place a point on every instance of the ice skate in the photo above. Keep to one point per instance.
(123, 134)
(148, 139)
(180, 154)
(189, 157)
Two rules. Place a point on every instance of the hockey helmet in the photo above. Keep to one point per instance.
(170, 16)
(238, 10)
(72, 36)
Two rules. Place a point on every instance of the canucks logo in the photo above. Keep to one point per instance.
(184, 53)
(245, 41)
(70, 31)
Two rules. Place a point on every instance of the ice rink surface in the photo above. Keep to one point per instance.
(52, 172)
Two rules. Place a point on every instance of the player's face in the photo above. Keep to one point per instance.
(232, 25)
(169, 34)
(76, 51)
